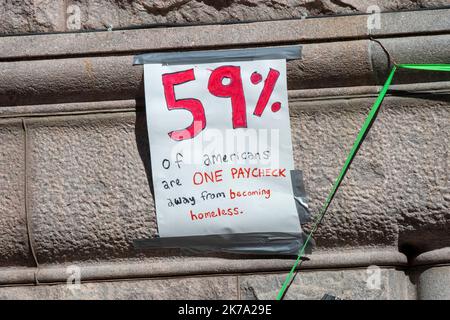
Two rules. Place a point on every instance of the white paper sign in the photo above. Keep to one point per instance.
(220, 145)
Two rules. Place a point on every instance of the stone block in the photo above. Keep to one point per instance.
(13, 235)
(31, 16)
(47, 16)
(395, 190)
(356, 284)
(199, 288)
(90, 186)
(434, 283)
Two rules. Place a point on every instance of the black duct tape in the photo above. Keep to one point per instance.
(257, 243)
(184, 57)
(301, 200)
(260, 243)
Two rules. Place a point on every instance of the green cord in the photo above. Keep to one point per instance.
(359, 139)
(429, 67)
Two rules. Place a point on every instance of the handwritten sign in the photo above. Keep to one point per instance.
(220, 146)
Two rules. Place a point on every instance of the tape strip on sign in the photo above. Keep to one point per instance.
(300, 196)
(185, 57)
(221, 151)
(356, 145)
(286, 244)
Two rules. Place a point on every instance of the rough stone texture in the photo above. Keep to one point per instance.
(434, 283)
(89, 187)
(357, 284)
(18, 16)
(199, 288)
(13, 236)
(418, 181)
(90, 183)
(397, 188)
(44, 16)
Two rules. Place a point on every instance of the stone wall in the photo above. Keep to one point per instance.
(20, 16)
(75, 175)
